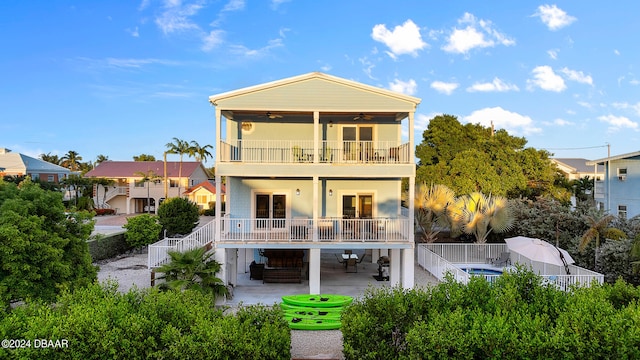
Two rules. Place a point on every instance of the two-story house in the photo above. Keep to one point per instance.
(137, 186)
(577, 168)
(315, 162)
(17, 164)
(619, 191)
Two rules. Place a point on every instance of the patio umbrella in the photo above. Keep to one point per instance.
(539, 250)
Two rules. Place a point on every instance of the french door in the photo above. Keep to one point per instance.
(357, 142)
(357, 206)
(271, 210)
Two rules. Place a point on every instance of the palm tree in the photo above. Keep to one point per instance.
(54, 159)
(480, 215)
(101, 158)
(178, 147)
(147, 177)
(598, 222)
(201, 153)
(71, 160)
(193, 269)
(431, 204)
(144, 157)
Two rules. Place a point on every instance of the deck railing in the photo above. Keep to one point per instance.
(440, 259)
(301, 151)
(302, 230)
(158, 253)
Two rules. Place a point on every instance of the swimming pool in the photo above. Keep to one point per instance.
(480, 271)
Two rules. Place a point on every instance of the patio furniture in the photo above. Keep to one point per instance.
(350, 261)
(503, 260)
(383, 267)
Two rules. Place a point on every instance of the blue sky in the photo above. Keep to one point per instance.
(121, 78)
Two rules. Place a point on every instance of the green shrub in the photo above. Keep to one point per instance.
(142, 230)
(515, 317)
(98, 323)
(178, 216)
(107, 246)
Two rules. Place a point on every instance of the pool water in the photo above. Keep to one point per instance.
(476, 271)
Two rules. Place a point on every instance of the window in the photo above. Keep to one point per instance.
(202, 199)
(622, 211)
(173, 183)
(35, 177)
(138, 183)
(622, 174)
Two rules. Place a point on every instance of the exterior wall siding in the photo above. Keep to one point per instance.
(625, 192)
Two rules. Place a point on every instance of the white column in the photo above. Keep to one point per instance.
(395, 262)
(408, 268)
(316, 135)
(314, 271)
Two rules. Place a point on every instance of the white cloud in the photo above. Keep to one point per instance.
(546, 79)
(130, 63)
(513, 122)
(212, 40)
(562, 122)
(476, 34)
(405, 87)
(615, 51)
(134, 32)
(276, 3)
(578, 76)
(496, 85)
(443, 87)
(404, 39)
(234, 5)
(553, 53)
(553, 17)
(244, 51)
(624, 105)
(618, 122)
(177, 17)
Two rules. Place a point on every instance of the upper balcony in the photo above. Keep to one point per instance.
(302, 151)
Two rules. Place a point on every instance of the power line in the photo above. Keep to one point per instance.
(580, 148)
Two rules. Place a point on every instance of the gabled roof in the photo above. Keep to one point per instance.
(205, 185)
(578, 165)
(617, 157)
(23, 164)
(315, 91)
(128, 169)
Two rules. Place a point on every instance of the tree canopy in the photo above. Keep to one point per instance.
(43, 250)
(470, 157)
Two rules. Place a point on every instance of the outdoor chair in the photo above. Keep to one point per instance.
(503, 260)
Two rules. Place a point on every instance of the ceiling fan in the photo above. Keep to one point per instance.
(270, 115)
(362, 116)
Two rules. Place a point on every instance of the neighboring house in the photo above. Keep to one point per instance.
(129, 194)
(315, 162)
(619, 190)
(203, 194)
(16, 164)
(577, 168)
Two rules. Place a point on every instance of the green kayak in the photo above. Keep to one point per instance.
(301, 323)
(309, 313)
(317, 301)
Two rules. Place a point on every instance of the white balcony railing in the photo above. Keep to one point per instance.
(158, 253)
(441, 259)
(302, 230)
(301, 151)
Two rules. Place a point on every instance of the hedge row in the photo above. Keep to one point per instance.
(515, 318)
(108, 246)
(98, 322)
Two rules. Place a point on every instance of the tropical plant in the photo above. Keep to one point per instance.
(178, 216)
(48, 157)
(77, 186)
(71, 160)
(431, 204)
(101, 158)
(201, 153)
(598, 221)
(180, 147)
(144, 157)
(43, 250)
(142, 230)
(146, 178)
(480, 215)
(193, 269)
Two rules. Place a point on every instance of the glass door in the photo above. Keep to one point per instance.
(271, 211)
(357, 142)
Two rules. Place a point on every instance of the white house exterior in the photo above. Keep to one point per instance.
(577, 168)
(16, 164)
(619, 191)
(128, 194)
(314, 162)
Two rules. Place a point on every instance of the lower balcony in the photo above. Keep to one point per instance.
(325, 230)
